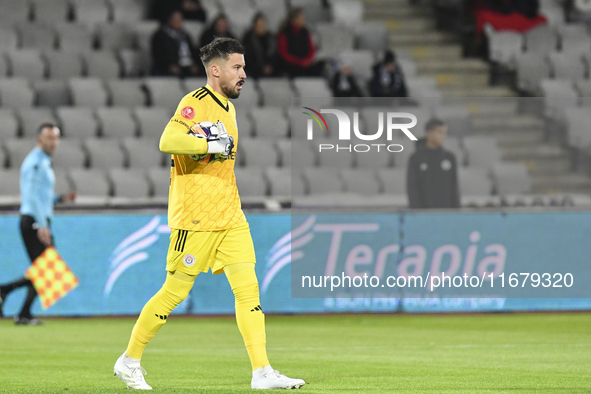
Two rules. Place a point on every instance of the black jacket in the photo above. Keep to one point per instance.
(166, 44)
(260, 51)
(432, 179)
(387, 84)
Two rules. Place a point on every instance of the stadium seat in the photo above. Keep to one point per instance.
(540, 40)
(135, 63)
(482, 151)
(105, 153)
(8, 39)
(454, 145)
(275, 12)
(578, 121)
(88, 92)
(116, 122)
(574, 38)
(374, 160)
(401, 158)
(457, 119)
(32, 118)
(152, 121)
(193, 83)
(3, 157)
(558, 94)
(102, 64)
(249, 97)
(63, 65)
(250, 182)
(3, 66)
(305, 157)
(62, 184)
(195, 29)
(27, 63)
(372, 35)
(424, 90)
(511, 178)
(323, 181)
(347, 12)
(312, 87)
(269, 122)
(115, 36)
(126, 92)
(567, 65)
(504, 47)
(144, 31)
(333, 39)
(77, 122)
(15, 11)
(474, 182)
(90, 12)
(240, 14)
(36, 36)
(330, 158)
(9, 124)
(361, 62)
(282, 183)
(129, 11)
(276, 91)
(51, 11)
(159, 178)
(361, 181)
(244, 123)
(10, 182)
(143, 152)
(284, 149)
(74, 37)
(18, 149)
(313, 9)
(584, 89)
(408, 66)
(89, 182)
(393, 180)
(16, 93)
(164, 91)
(51, 93)
(69, 154)
(257, 152)
(369, 122)
(531, 69)
(129, 183)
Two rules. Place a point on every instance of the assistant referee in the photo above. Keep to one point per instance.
(37, 182)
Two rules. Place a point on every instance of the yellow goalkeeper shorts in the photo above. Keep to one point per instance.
(192, 252)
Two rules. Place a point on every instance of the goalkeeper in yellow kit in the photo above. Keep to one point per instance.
(209, 230)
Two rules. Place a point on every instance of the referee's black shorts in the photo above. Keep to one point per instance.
(29, 234)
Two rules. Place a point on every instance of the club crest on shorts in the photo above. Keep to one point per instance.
(188, 113)
(189, 260)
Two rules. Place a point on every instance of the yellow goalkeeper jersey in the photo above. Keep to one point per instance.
(203, 195)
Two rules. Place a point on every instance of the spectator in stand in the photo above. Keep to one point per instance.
(218, 28)
(344, 83)
(260, 48)
(191, 9)
(296, 47)
(172, 50)
(387, 79)
(432, 174)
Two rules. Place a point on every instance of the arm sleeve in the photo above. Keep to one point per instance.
(32, 183)
(412, 185)
(175, 140)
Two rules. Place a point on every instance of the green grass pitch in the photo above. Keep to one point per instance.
(484, 353)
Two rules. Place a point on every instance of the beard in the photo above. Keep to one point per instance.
(230, 90)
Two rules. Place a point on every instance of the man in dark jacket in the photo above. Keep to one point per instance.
(172, 50)
(387, 78)
(432, 174)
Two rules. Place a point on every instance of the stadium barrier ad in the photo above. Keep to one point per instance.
(120, 259)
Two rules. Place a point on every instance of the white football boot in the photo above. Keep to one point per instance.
(267, 378)
(132, 375)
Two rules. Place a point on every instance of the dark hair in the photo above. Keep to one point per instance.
(291, 15)
(257, 16)
(220, 48)
(44, 126)
(434, 123)
(389, 56)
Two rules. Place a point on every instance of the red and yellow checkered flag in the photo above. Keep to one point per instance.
(51, 277)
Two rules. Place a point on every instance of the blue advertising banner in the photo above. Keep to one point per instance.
(120, 259)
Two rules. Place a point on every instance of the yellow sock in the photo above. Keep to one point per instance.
(156, 311)
(249, 315)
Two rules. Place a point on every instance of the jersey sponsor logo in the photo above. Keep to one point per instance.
(181, 122)
(189, 260)
(188, 113)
